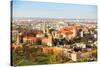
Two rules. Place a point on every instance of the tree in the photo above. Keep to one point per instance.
(37, 42)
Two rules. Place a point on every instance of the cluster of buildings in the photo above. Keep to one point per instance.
(54, 34)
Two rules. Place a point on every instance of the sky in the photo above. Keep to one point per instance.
(53, 10)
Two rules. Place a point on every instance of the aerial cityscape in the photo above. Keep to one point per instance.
(53, 33)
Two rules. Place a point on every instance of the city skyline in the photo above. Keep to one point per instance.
(53, 10)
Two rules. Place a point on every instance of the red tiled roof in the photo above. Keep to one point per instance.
(66, 30)
(43, 38)
(37, 32)
(34, 38)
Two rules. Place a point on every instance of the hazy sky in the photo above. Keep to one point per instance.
(53, 10)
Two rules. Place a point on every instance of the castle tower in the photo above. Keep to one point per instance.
(74, 32)
(81, 33)
(50, 40)
(50, 37)
(19, 38)
(47, 30)
(44, 27)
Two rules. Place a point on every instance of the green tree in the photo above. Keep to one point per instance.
(37, 42)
